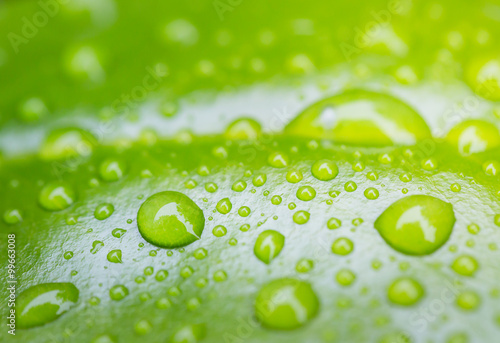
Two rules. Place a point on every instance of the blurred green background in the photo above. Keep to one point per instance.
(88, 53)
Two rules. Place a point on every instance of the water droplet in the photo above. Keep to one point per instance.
(68, 255)
(56, 196)
(357, 221)
(193, 303)
(483, 76)
(112, 169)
(458, 338)
(405, 291)
(372, 176)
(200, 253)
(358, 166)
(118, 292)
(385, 158)
(211, 187)
(203, 170)
(304, 265)
(497, 220)
(239, 186)
(350, 186)
(306, 193)
(189, 334)
(473, 229)
(201, 282)
(96, 246)
(161, 275)
(115, 256)
(186, 272)
(491, 168)
(190, 184)
(174, 291)
(465, 265)
(286, 304)
(324, 170)
(224, 206)
(405, 177)
(278, 160)
(294, 176)
(94, 301)
(12, 216)
(148, 271)
(333, 223)
(243, 129)
(170, 220)
(142, 327)
(468, 300)
(259, 180)
(276, 200)
(360, 117)
(474, 136)
(416, 225)
(345, 277)
(220, 276)
(118, 233)
(301, 217)
(342, 246)
(104, 211)
(219, 231)
(371, 193)
(268, 245)
(44, 303)
(244, 211)
(67, 143)
(429, 164)
(455, 187)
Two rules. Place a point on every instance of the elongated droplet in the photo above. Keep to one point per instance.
(44, 303)
(360, 117)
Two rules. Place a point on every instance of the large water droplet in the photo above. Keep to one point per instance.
(244, 129)
(361, 117)
(474, 136)
(67, 142)
(483, 76)
(416, 225)
(170, 220)
(44, 303)
(286, 304)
